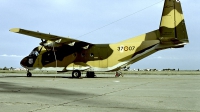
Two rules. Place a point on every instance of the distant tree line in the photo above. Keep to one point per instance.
(5, 68)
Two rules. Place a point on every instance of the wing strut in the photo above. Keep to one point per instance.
(55, 56)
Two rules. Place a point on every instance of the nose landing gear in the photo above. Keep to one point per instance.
(29, 74)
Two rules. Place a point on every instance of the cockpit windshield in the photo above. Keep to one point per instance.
(35, 52)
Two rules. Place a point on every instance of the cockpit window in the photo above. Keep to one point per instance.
(34, 52)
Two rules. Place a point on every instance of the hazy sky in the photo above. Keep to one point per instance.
(75, 18)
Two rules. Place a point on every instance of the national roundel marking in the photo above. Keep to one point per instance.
(126, 48)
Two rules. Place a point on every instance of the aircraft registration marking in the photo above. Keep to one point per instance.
(123, 48)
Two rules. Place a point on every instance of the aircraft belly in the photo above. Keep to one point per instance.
(50, 68)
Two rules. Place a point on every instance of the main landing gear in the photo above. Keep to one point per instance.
(118, 73)
(90, 74)
(29, 74)
(77, 74)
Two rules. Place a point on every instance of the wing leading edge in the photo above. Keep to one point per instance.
(50, 37)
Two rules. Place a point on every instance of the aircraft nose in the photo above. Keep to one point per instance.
(27, 62)
(23, 62)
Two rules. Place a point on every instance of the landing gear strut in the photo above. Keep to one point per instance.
(118, 73)
(29, 74)
(76, 74)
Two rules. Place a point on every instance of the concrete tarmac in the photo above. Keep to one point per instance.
(131, 93)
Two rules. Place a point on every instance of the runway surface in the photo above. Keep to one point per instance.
(131, 93)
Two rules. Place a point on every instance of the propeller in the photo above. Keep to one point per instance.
(49, 47)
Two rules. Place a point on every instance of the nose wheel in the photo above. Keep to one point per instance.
(29, 74)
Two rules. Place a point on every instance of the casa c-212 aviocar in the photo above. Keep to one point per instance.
(67, 54)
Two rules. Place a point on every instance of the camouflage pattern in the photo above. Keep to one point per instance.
(63, 54)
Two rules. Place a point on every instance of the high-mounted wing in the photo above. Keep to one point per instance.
(49, 37)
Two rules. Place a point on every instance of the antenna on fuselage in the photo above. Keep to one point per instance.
(119, 19)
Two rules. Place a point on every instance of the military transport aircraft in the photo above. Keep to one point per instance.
(67, 54)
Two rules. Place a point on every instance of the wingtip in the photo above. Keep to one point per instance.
(15, 30)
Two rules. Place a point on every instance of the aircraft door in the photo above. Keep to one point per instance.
(98, 56)
(93, 55)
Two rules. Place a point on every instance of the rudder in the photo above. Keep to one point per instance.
(172, 26)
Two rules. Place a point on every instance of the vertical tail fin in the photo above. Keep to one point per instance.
(172, 26)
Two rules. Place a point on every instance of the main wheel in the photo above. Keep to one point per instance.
(90, 74)
(76, 74)
(29, 74)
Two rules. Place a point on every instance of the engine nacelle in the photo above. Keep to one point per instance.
(50, 44)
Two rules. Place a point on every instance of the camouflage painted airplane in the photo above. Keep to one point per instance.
(67, 54)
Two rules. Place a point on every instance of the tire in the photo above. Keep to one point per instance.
(29, 74)
(76, 74)
(90, 74)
